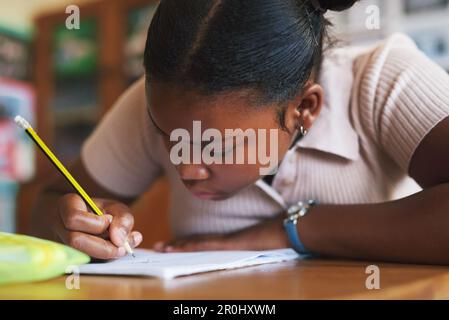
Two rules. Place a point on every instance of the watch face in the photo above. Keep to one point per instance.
(293, 217)
(290, 220)
(293, 209)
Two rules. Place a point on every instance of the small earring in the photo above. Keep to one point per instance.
(303, 131)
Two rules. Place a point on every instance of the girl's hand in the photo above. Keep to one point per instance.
(100, 237)
(264, 236)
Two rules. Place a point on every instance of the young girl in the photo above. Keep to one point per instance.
(351, 127)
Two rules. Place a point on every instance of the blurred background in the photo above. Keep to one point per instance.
(64, 80)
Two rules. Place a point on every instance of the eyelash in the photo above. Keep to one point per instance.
(160, 132)
(222, 152)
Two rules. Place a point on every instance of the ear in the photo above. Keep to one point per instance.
(305, 108)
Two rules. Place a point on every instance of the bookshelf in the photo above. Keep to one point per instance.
(16, 96)
(78, 75)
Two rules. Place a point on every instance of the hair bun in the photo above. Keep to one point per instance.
(336, 5)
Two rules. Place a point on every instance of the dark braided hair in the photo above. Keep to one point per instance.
(270, 47)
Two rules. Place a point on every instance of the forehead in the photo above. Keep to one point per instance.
(172, 107)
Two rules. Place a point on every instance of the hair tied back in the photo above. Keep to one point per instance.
(317, 6)
(332, 5)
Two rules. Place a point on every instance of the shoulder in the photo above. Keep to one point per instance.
(126, 126)
(130, 112)
(377, 54)
(385, 62)
(365, 68)
(390, 73)
(395, 44)
(135, 95)
(399, 95)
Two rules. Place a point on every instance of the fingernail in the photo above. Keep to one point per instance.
(137, 237)
(109, 217)
(121, 252)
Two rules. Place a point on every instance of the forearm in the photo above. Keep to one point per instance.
(410, 230)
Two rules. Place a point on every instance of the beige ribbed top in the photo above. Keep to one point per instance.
(380, 102)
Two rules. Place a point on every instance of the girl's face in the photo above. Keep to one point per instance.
(172, 108)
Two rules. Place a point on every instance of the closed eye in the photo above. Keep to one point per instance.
(158, 129)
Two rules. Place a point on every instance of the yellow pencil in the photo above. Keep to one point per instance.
(21, 122)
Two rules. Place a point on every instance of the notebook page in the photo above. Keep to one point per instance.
(171, 265)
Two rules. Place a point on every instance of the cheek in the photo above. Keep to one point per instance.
(166, 142)
(284, 143)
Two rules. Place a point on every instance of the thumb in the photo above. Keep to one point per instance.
(122, 223)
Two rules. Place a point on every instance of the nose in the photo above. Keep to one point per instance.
(192, 172)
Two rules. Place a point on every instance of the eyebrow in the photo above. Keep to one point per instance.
(162, 132)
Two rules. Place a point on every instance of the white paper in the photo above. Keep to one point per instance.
(171, 265)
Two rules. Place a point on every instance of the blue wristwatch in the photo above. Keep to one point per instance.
(294, 213)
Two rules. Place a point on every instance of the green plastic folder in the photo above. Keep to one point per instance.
(24, 258)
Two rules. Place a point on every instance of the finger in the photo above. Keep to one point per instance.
(135, 239)
(73, 211)
(74, 201)
(162, 246)
(122, 223)
(204, 244)
(93, 246)
(71, 201)
(159, 246)
(177, 245)
(103, 203)
(186, 247)
(82, 221)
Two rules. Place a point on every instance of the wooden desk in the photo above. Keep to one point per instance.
(312, 279)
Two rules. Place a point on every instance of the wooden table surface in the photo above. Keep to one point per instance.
(308, 279)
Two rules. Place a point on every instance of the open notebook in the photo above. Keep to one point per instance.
(171, 265)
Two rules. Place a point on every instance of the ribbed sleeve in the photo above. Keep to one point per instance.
(121, 153)
(403, 95)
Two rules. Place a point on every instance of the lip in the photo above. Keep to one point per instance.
(207, 195)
